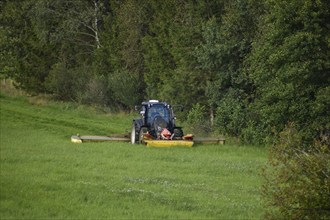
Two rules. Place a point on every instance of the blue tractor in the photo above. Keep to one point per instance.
(157, 122)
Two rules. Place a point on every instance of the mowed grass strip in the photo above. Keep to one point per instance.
(44, 175)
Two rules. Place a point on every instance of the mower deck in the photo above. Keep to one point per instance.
(149, 143)
(169, 143)
(81, 139)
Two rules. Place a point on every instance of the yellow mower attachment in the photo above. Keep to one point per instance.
(187, 141)
(89, 138)
(169, 143)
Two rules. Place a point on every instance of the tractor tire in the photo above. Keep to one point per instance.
(134, 136)
(136, 131)
(141, 134)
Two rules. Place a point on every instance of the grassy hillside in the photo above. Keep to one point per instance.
(44, 175)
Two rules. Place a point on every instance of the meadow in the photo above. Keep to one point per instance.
(45, 176)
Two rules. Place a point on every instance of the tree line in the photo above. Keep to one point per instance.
(249, 67)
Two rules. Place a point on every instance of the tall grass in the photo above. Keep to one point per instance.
(44, 175)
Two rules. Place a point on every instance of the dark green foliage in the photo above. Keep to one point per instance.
(196, 120)
(69, 83)
(290, 65)
(126, 88)
(172, 68)
(23, 54)
(61, 82)
(97, 92)
(253, 65)
(221, 55)
(231, 114)
(297, 178)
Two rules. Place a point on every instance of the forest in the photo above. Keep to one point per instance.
(245, 68)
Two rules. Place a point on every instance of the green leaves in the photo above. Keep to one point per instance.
(288, 64)
(297, 178)
(126, 88)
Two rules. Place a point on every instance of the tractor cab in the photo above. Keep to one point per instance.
(155, 111)
(157, 118)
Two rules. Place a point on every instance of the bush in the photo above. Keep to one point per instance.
(253, 133)
(127, 88)
(67, 84)
(196, 120)
(297, 178)
(231, 115)
(96, 92)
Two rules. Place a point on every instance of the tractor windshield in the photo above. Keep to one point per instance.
(160, 111)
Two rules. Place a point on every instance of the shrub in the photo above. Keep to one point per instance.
(231, 115)
(253, 133)
(96, 92)
(196, 120)
(297, 178)
(67, 83)
(127, 88)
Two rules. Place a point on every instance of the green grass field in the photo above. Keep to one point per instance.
(44, 175)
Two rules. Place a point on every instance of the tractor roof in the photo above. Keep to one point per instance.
(153, 102)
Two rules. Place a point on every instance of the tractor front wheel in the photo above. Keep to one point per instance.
(134, 137)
